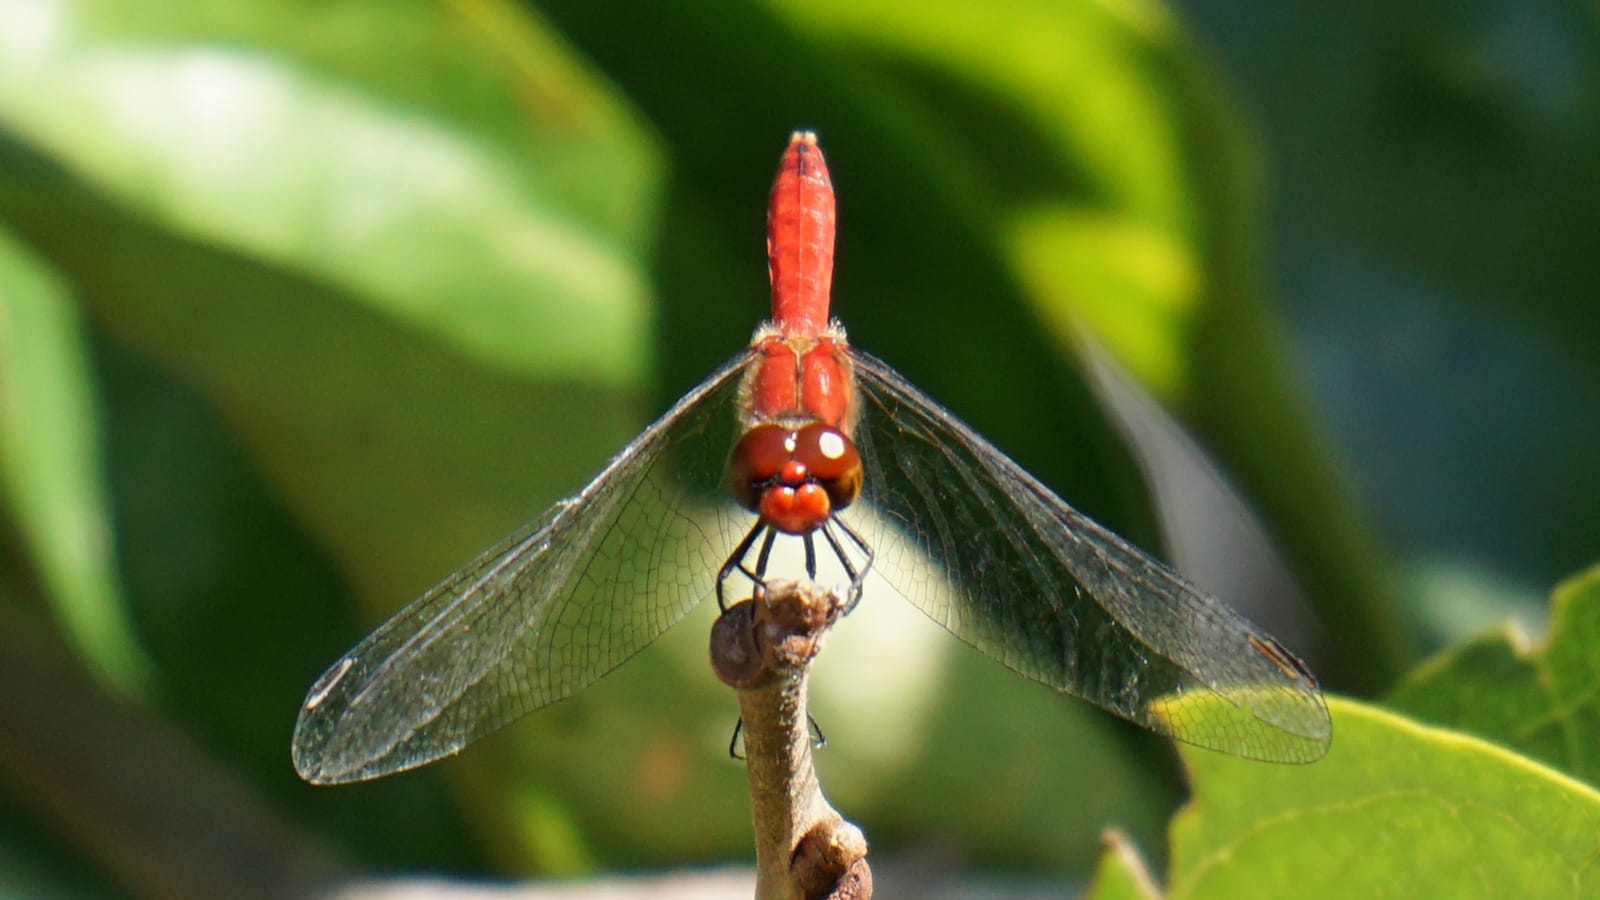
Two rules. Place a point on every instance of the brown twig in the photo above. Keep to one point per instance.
(763, 647)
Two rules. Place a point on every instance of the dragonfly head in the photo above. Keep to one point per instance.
(795, 478)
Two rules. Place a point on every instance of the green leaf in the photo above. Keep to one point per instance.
(510, 242)
(1396, 808)
(50, 466)
(369, 292)
(1542, 701)
(1069, 136)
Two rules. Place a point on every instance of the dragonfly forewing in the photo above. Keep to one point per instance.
(545, 612)
(994, 556)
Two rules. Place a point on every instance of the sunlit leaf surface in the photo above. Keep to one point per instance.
(1542, 700)
(1396, 808)
(50, 465)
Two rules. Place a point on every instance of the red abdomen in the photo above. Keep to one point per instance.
(800, 220)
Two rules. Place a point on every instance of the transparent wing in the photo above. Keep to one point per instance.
(1007, 566)
(548, 610)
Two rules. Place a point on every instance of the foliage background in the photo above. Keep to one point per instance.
(301, 304)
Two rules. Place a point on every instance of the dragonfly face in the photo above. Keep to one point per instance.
(794, 479)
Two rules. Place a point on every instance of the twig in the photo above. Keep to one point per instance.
(763, 647)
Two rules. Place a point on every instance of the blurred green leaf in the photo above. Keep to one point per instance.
(1075, 72)
(1069, 135)
(510, 241)
(50, 465)
(1130, 284)
(262, 208)
(1395, 808)
(1542, 701)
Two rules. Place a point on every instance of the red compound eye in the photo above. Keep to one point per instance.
(758, 458)
(832, 459)
(794, 479)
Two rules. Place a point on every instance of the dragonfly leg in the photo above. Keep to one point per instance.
(857, 577)
(811, 556)
(736, 560)
(759, 576)
(844, 563)
(733, 742)
(818, 740)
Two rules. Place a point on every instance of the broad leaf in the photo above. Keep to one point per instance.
(1396, 808)
(373, 283)
(1540, 700)
(50, 470)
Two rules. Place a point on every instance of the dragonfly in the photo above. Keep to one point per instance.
(806, 443)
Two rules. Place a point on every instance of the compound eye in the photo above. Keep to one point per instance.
(758, 458)
(832, 459)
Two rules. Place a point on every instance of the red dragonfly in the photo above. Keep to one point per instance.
(830, 449)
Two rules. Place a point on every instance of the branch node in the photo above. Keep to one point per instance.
(831, 863)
